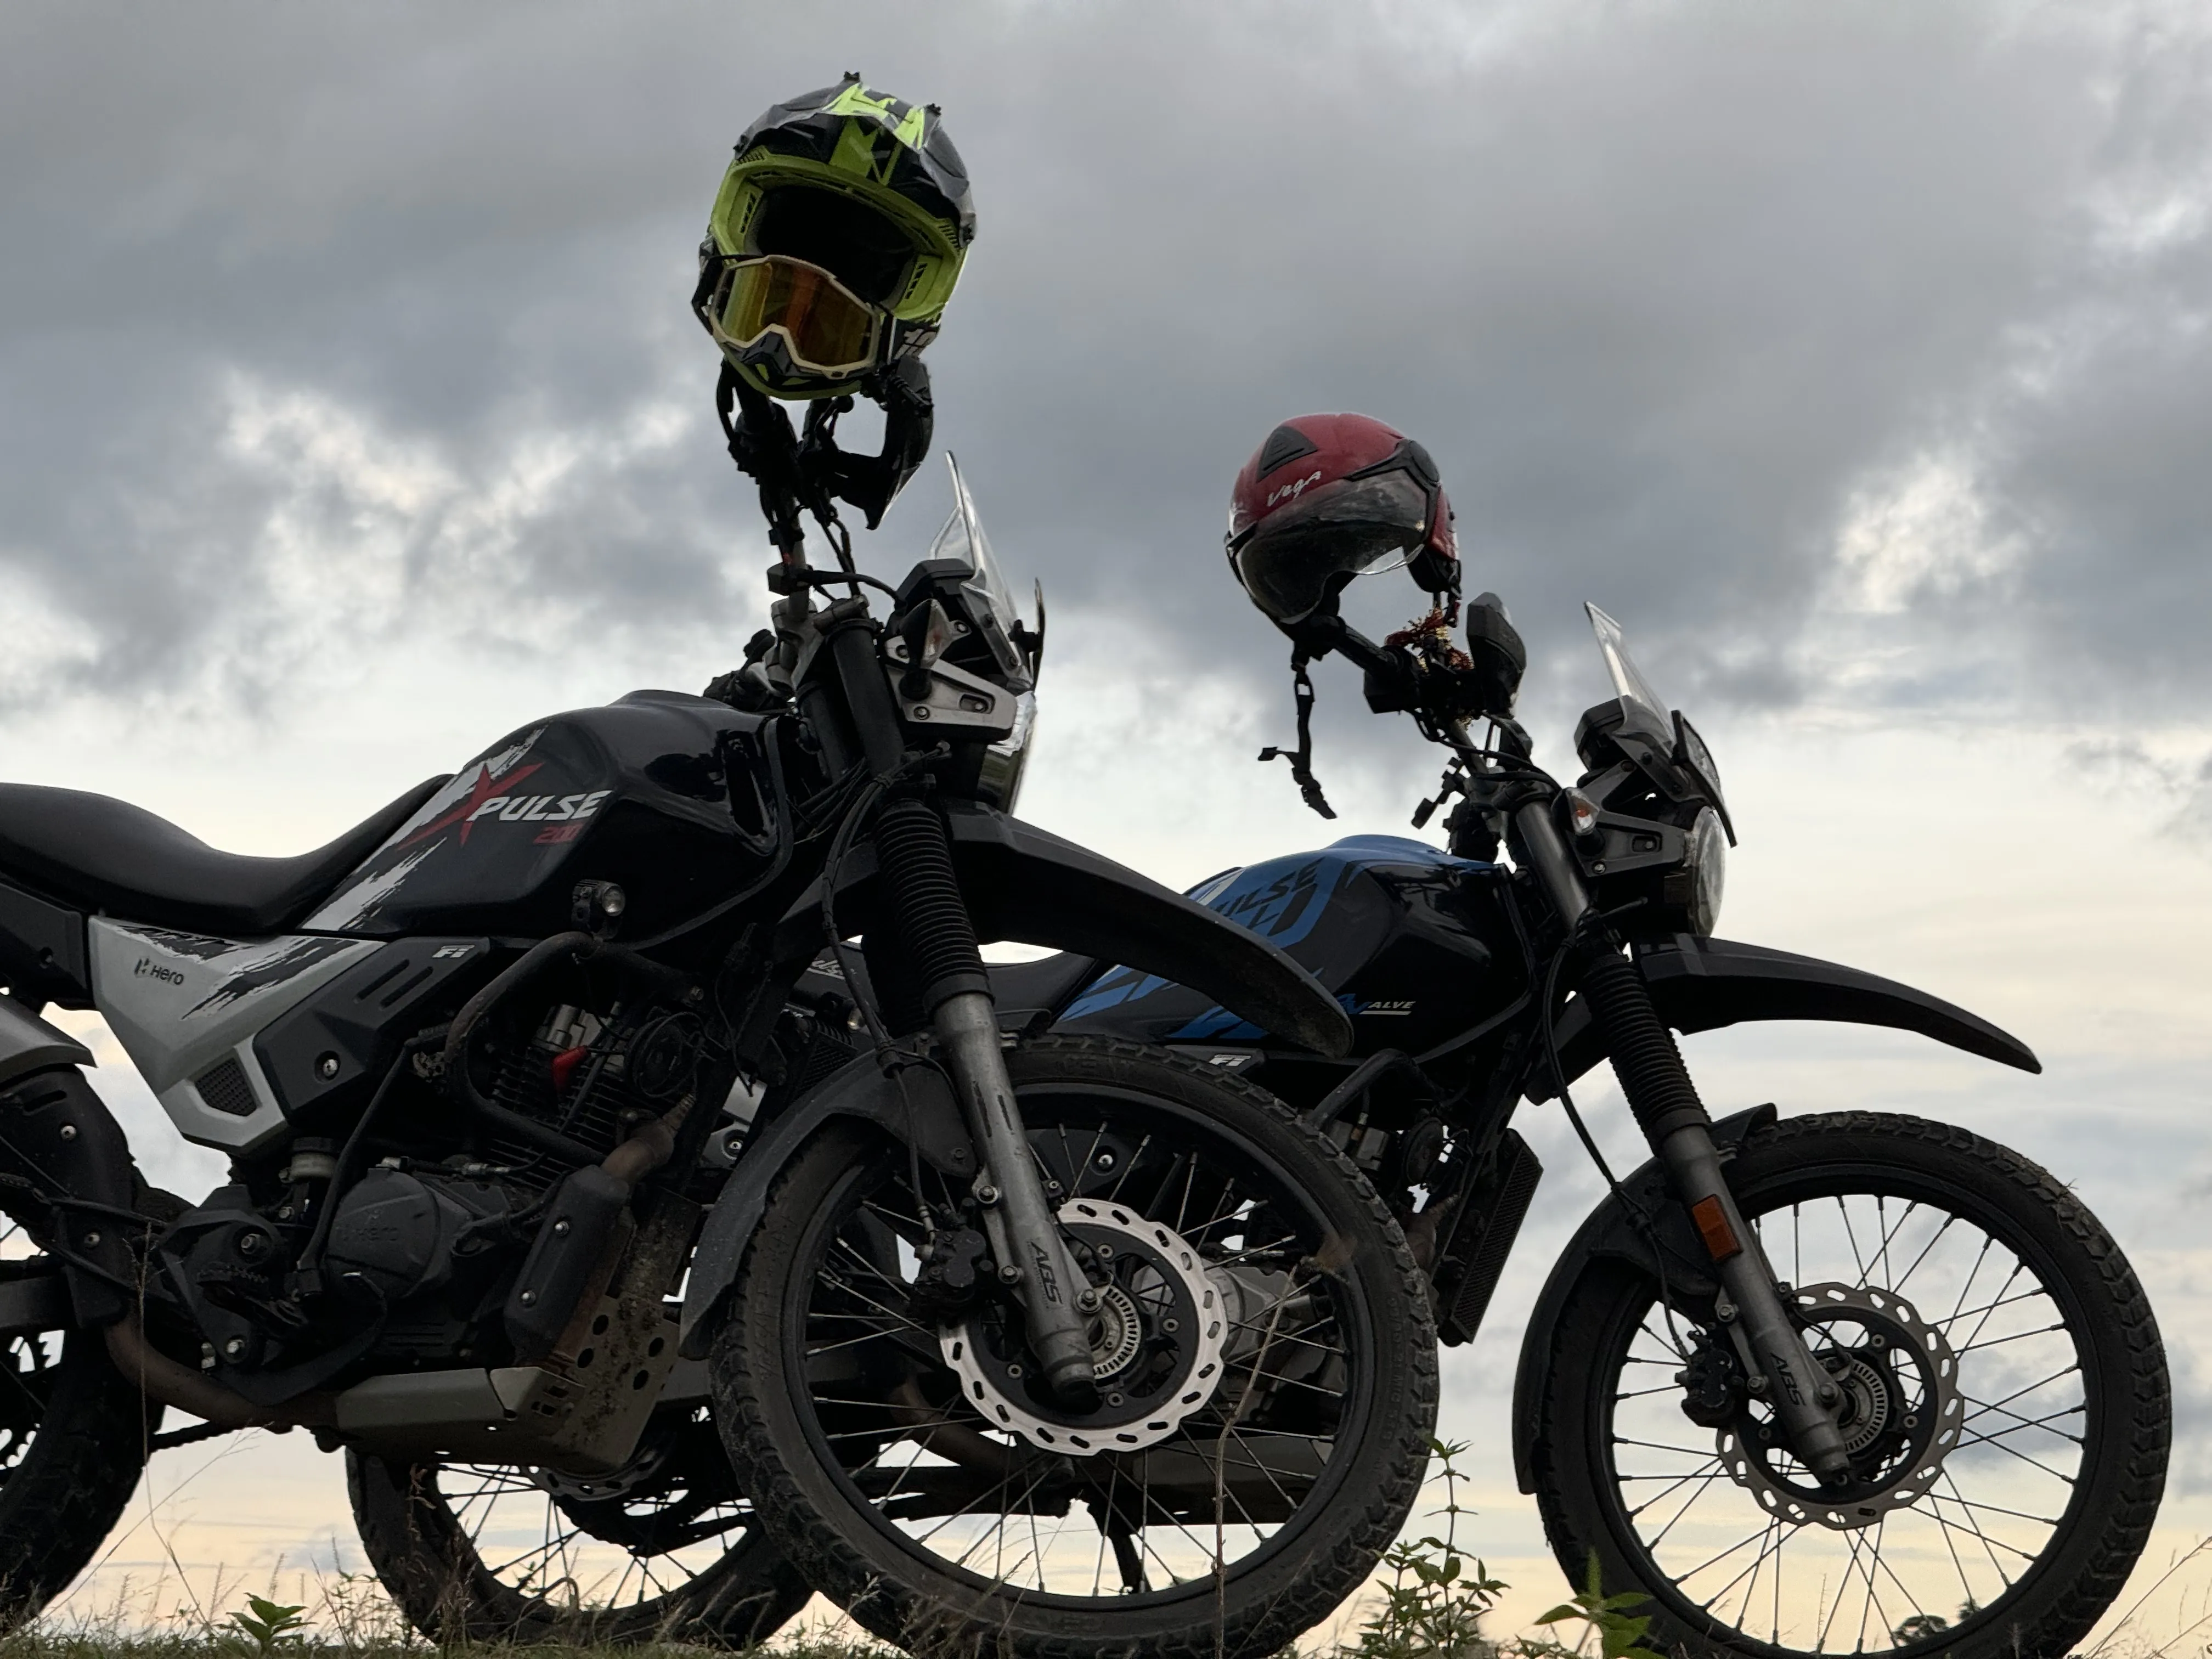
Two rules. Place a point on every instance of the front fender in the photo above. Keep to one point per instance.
(1612, 1231)
(914, 1105)
(1699, 984)
(1026, 885)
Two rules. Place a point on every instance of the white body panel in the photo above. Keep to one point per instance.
(182, 1003)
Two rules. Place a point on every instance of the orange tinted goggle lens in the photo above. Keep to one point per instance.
(825, 326)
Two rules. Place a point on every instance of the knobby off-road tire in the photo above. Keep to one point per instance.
(871, 1461)
(486, 1555)
(2058, 1412)
(74, 1439)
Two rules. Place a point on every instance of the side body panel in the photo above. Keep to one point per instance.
(186, 1008)
(639, 793)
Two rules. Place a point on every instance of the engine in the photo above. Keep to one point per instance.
(479, 1199)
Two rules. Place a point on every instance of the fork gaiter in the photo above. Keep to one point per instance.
(915, 856)
(1645, 1055)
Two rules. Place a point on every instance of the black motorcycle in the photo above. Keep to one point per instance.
(1006, 1341)
(1851, 1381)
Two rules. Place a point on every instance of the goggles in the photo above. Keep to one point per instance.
(826, 329)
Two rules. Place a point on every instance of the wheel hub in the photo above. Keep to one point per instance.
(1901, 1413)
(1156, 1342)
(1116, 1333)
(1869, 1401)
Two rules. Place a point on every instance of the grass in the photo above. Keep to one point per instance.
(1429, 1600)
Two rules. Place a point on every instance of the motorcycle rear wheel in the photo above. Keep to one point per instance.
(667, 1552)
(75, 1435)
(2005, 1375)
(1260, 1496)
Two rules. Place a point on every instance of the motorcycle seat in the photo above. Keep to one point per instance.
(113, 859)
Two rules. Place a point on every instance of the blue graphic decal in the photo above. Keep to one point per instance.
(1281, 900)
(1112, 988)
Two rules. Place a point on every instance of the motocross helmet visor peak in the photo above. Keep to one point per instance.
(1329, 497)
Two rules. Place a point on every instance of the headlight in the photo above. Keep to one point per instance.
(999, 782)
(1706, 867)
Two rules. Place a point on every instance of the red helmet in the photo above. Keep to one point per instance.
(1329, 497)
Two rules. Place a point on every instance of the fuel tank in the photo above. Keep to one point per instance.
(1414, 943)
(658, 792)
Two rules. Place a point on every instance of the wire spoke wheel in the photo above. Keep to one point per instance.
(2002, 1398)
(75, 1436)
(663, 1549)
(1265, 1372)
(29, 1363)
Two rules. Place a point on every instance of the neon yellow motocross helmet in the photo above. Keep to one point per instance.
(835, 241)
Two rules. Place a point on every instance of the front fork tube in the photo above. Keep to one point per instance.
(936, 935)
(1782, 1368)
(1674, 1121)
(1025, 1237)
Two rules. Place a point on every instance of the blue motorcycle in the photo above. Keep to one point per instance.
(1849, 1379)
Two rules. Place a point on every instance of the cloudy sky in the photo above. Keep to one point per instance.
(1854, 357)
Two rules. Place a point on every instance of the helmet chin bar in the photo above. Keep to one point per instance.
(806, 472)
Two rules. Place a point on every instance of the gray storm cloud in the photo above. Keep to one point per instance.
(370, 321)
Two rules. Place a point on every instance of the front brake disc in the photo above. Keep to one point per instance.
(1156, 1342)
(1899, 1433)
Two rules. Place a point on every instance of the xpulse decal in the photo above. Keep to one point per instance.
(1284, 909)
(489, 794)
(538, 808)
(468, 791)
(480, 801)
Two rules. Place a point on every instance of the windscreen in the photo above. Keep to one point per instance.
(1643, 709)
(963, 538)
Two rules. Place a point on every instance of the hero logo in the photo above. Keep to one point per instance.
(1291, 491)
(565, 812)
(149, 969)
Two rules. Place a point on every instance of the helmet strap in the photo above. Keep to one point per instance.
(1301, 760)
(871, 482)
(804, 471)
(766, 450)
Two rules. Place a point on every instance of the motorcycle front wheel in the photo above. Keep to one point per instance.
(2004, 1399)
(1266, 1360)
